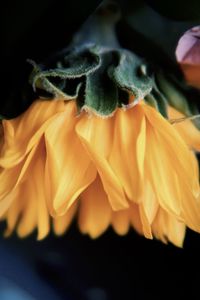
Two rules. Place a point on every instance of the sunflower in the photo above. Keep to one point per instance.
(132, 169)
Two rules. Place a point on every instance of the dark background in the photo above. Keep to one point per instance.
(74, 266)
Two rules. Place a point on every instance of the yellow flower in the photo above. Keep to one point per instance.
(132, 169)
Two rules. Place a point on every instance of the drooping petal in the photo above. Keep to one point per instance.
(167, 228)
(10, 178)
(127, 153)
(62, 223)
(13, 211)
(69, 169)
(29, 209)
(161, 174)
(121, 221)
(96, 135)
(135, 218)
(95, 211)
(189, 133)
(171, 156)
(23, 132)
(148, 201)
(190, 209)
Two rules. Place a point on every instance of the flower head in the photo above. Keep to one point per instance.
(106, 149)
(132, 169)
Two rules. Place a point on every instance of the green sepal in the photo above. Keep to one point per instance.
(158, 101)
(101, 94)
(173, 94)
(57, 81)
(99, 76)
(129, 74)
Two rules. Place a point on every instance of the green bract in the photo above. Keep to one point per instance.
(97, 77)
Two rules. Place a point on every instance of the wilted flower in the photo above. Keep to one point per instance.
(130, 169)
(188, 55)
(98, 152)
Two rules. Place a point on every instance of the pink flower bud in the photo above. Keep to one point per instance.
(188, 55)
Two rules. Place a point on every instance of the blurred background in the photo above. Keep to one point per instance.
(74, 266)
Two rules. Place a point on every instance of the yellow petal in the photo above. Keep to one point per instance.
(148, 201)
(135, 218)
(13, 213)
(34, 213)
(121, 221)
(27, 204)
(190, 209)
(96, 135)
(69, 169)
(176, 148)
(61, 224)
(146, 226)
(160, 171)
(8, 179)
(95, 211)
(127, 153)
(170, 163)
(188, 131)
(28, 218)
(11, 178)
(23, 132)
(167, 228)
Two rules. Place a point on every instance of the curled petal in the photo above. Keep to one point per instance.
(31, 211)
(62, 223)
(96, 135)
(69, 169)
(167, 228)
(95, 211)
(23, 132)
(128, 149)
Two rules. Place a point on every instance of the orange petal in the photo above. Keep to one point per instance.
(127, 153)
(61, 224)
(23, 132)
(135, 218)
(69, 169)
(167, 228)
(11, 178)
(96, 135)
(168, 160)
(160, 171)
(95, 211)
(121, 221)
(149, 202)
(28, 209)
(35, 212)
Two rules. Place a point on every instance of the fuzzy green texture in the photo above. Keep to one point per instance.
(98, 74)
